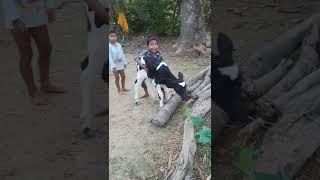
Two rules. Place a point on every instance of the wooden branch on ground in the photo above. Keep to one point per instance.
(259, 87)
(166, 111)
(193, 87)
(198, 76)
(169, 108)
(289, 148)
(301, 87)
(264, 60)
(308, 62)
(205, 82)
(184, 163)
(294, 137)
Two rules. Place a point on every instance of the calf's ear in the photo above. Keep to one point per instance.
(180, 76)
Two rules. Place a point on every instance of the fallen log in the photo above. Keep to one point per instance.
(202, 106)
(301, 87)
(308, 62)
(184, 163)
(205, 82)
(257, 88)
(198, 76)
(168, 109)
(264, 60)
(193, 87)
(291, 141)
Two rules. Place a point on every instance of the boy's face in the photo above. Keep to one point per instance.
(113, 37)
(153, 46)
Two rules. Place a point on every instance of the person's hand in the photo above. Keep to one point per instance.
(51, 15)
(144, 67)
(19, 26)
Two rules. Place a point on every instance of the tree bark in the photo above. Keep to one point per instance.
(169, 108)
(198, 76)
(302, 86)
(308, 62)
(259, 87)
(166, 111)
(291, 142)
(192, 24)
(264, 60)
(184, 163)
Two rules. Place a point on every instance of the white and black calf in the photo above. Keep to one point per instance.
(160, 76)
(227, 81)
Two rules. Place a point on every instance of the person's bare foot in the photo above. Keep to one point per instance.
(144, 96)
(50, 88)
(120, 93)
(39, 99)
(125, 89)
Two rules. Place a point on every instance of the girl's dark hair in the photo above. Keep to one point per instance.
(112, 31)
(152, 38)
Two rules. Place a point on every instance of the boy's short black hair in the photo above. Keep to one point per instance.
(152, 38)
(112, 31)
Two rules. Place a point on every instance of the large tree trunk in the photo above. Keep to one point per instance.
(192, 24)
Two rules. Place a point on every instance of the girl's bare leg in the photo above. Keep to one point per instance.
(123, 80)
(23, 42)
(117, 78)
(42, 40)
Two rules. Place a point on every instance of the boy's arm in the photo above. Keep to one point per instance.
(112, 65)
(99, 10)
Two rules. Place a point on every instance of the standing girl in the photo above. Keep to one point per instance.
(117, 61)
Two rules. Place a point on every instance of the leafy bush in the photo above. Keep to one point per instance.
(156, 16)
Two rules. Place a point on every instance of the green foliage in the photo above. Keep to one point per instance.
(186, 112)
(156, 16)
(245, 160)
(204, 136)
(197, 121)
(245, 163)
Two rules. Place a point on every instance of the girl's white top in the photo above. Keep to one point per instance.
(116, 56)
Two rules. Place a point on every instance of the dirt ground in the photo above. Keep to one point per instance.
(138, 149)
(258, 25)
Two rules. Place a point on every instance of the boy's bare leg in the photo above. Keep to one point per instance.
(146, 93)
(123, 80)
(41, 36)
